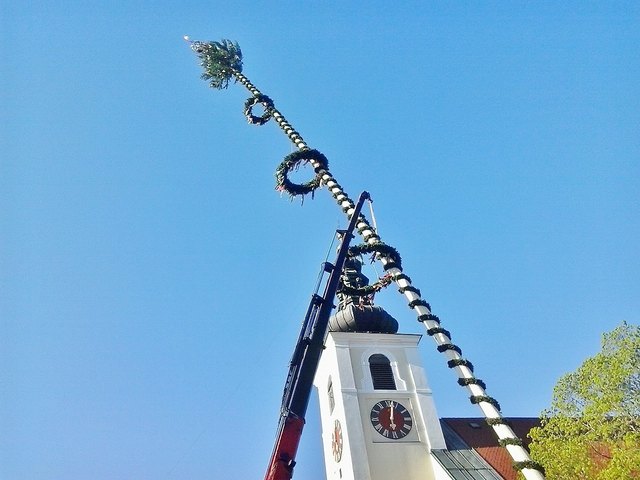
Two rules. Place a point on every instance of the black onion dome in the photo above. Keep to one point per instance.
(363, 318)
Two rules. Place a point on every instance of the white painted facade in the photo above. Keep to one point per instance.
(363, 453)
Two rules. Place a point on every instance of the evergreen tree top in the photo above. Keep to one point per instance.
(219, 60)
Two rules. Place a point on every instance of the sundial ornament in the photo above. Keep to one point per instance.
(222, 64)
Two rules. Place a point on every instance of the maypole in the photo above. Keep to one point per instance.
(222, 63)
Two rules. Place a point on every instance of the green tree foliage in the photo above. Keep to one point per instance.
(219, 60)
(592, 429)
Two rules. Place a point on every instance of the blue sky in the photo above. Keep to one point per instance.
(153, 281)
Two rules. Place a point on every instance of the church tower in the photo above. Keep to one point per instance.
(378, 416)
(379, 420)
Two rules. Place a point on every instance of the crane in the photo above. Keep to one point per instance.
(305, 358)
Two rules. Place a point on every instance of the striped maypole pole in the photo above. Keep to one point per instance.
(222, 62)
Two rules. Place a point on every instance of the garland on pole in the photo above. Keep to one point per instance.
(402, 276)
(449, 346)
(435, 330)
(510, 441)
(463, 382)
(529, 464)
(429, 317)
(475, 399)
(495, 421)
(460, 362)
(419, 303)
(410, 288)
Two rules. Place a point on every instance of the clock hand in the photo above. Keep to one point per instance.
(391, 422)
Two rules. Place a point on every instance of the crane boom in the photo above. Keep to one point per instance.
(305, 359)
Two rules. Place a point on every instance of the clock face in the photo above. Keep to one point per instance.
(391, 419)
(336, 441)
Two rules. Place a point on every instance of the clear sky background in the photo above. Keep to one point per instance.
(153, 281)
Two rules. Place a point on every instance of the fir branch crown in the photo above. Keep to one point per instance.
(219, 61)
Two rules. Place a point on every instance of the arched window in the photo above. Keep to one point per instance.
(381, 372)
(332, 400)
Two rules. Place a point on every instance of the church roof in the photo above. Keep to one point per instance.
(465, 465)
(474, 433)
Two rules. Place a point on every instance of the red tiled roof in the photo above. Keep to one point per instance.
(478, 435)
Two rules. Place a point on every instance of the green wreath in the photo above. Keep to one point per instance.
(251, 102)
(367, 289)
(383, 281)
(293, 161)
(377, 247)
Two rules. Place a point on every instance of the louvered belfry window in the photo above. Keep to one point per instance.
(381, 372)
